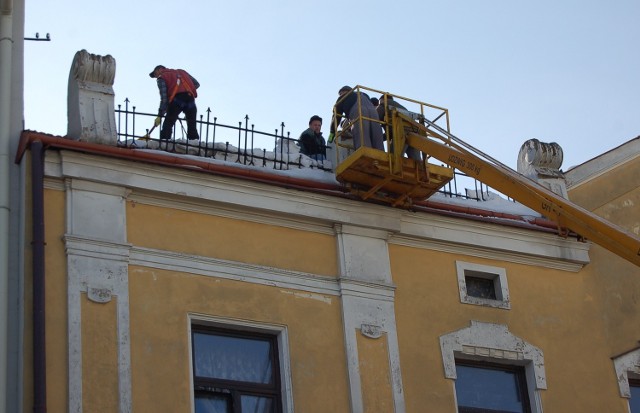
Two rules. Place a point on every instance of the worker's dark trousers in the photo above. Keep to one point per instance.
(366, 132)
(182, 102)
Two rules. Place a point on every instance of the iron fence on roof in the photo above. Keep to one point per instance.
(239, 144)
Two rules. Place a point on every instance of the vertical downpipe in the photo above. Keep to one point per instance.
(39, 349)
(6, 63)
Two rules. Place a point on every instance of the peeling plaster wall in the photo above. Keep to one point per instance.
(365, 293)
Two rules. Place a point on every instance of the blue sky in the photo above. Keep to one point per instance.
(559, 71)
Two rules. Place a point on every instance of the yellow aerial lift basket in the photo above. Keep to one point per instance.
(387, 176)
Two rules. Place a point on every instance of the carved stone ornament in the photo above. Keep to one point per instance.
(90, 99)
(371, 331)
(99, 294)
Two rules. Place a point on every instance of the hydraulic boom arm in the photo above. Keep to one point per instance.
(523, 190)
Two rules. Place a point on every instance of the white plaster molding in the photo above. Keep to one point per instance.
(497, 340)
(358, 312)
(600, 165)
(367, 300)
(52, 164)
(96, 248)
(84, 273)
(233, 193)
(362, 231)
(96, 210)
(243, 214)
(367, 290)
(491, 240)
(371, 331)
(280, 331)
(363, 254)
(494, 342)
(97, 264)
(624, 364)
(100, 188)
(236, 271)
(556, 263)
(176, 188)
(99, 294)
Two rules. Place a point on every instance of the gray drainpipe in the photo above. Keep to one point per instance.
(6, 62)
(39, 350)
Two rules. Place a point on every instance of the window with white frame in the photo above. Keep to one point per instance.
(483, 285)
(491, 388)
(634, 392)
(493, 370)
(627, 367)
(238, 369)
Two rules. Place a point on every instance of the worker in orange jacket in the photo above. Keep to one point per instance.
(177, 95)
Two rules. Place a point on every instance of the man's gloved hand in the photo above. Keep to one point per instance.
(157, 121)
(332, 136)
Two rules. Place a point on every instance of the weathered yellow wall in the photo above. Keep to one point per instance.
(555, 311)
(99, 355)
(615, 196)
(373, 362)
(231, 239)
(571, 317)
(160, 301)
(56, 305)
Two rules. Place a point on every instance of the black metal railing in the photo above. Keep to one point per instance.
(219, 141)
(238, 144)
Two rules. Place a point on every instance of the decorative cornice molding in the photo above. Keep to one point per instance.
(235, 271)
(96, 248)
(207, 208)
(257, 202)
(368, 290)
(493, 254)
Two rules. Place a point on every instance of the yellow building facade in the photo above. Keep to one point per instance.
(168, 288)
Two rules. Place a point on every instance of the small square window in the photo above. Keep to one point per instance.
(482, 285)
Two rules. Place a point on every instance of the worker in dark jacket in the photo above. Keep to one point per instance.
(312, 142)
(391, 104)
(364, 131)
(177, 94)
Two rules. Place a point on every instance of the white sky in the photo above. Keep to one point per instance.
(563, 71)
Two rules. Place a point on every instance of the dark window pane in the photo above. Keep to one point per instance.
(212, 403)
(232, 358)
(490, 389)
(480, 287)
(254, 404)
(634, 402)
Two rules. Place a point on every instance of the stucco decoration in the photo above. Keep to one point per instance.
(488, 341)
(99, 295)
(625, 364)
(90, 99)
(98, 266)
(541, 162)
(368, 296)
(371, 331)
